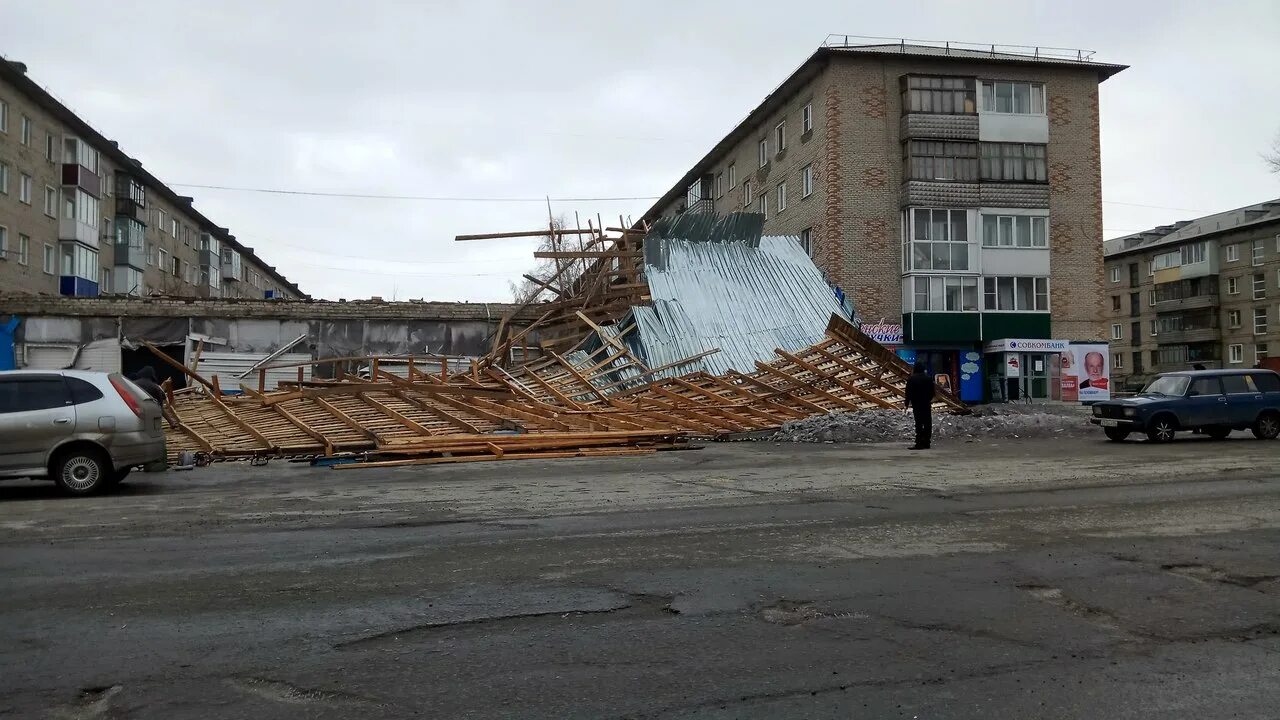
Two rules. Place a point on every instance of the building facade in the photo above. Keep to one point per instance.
(1204, 291)
(957, 191)
(79, 217)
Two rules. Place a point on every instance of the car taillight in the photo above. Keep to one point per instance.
(127, 396)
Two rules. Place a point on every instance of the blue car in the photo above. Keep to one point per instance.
(1213, 402)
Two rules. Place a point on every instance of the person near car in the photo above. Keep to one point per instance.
(920, 393)
(145, 379)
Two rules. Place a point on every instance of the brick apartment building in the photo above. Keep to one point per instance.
(954, 188)
(79, 217)
(1201, 291)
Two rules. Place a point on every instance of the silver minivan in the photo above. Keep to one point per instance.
(83, 430)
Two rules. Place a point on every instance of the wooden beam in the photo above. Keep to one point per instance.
(175, 364)
(573, 254)
(544, 286)
(428, 408)
(806, 386)
(305, 428)
(574, 371)
(266, 444)
(779, 395)
(519, 234)
(394, 415)
(819, 373)
(346, 419)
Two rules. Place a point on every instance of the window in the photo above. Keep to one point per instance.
(940, 160)
(1023, 98)
(1237, 384)
(4, 178)
(1016, 294)
(50, 201)
(31, 393)
(1133, 274)
(4, 243)
(128, 281)
(1014, 162)
(764, 152)
(1135, 332)
(1233, 253)
(151, 254)
(806, 241)
(80, 206)
(105, 285)
(806, 118)
(1260, 321)
(782, 196)
(1233, 286)
(78, 152)
(24, 189)
(719, 185)
(26, 131)
(50, 147)
(1258, 250)
(1233, 318)
(938, 293)
(1154, 328)
(1117, 361)
(733, 176)
(1204, 386)
(780, 136)
(939, 239)
(1115, 303)
(175, 266)
(1260, 354)
(1117, 331)
(747, 195)
(1022, 231)
(1115, 271)
(1193, 253)
(4, 116)
(1135, 304)
(1164, 261)
(79, 261)
(24, 249)
(950, 95)
(173, 226)
(164, 260)
(50, 260)
(1151, 298)
(806, 180)
(1259, 286)
(1235, 353)
(762, 204)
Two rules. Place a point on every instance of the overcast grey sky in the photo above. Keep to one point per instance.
(577, 99)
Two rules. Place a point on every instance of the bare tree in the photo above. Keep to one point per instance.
(565, 272)
(1272, 158)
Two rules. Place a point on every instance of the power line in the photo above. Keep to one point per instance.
(1156, 207)
(428, 198)
(311, 251)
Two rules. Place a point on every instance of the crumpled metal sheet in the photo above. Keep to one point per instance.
(745, 300)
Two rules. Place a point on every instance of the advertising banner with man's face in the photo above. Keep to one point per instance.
(1086, 373)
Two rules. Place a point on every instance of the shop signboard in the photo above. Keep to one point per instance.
(1026, 345)
(887, 334)
(1086, 373)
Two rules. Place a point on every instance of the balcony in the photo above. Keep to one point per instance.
(134, 256)
(77, 175)
(1182, 337)
(1195, 302)
(132, 209)
(705, 205)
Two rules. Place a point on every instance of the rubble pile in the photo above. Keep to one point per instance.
(992, 422)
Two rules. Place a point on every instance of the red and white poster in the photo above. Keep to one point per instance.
(1086, 373)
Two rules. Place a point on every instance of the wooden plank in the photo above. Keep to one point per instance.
(780, 396)
(394, 415)
(818, 372)
(497, 451)
(305, 428)
(345, 418)
(426, 407)
(266, 444)
(574, 371)
(855, 369)
(544, 286)
(519, 234)
(175, 364)
(805, 386)
(574, 255)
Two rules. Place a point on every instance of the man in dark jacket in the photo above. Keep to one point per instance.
(920, 392)
(145, 379)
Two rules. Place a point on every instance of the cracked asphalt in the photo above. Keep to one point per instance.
(1015, 579)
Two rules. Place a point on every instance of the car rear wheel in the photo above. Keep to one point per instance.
(1267, 426)
(1218, 433)
(1116, 434)
(1162, 429)
(82, 471)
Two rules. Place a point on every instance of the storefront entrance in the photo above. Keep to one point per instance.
(1025, 370)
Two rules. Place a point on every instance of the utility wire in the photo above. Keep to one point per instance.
(430, 198)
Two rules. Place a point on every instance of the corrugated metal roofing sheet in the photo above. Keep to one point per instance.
(744, 300)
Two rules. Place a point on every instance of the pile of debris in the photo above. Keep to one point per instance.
(992, 422)
(601, 372)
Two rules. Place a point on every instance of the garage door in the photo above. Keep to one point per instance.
(47, 356)
(100, 355)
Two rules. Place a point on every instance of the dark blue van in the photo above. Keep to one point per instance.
(1213, 402)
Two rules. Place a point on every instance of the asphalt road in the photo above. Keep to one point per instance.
(1034, 579)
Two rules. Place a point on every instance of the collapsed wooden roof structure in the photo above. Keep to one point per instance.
(589, 392)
